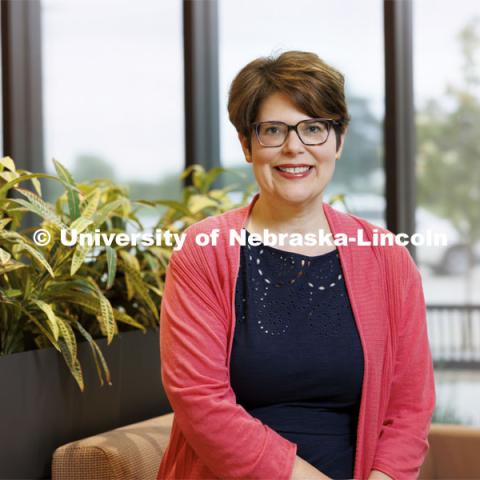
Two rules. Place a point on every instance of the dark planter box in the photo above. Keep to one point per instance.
(41, 406)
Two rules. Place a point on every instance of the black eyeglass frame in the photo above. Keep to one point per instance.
(329, 122)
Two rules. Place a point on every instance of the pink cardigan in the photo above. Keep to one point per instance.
(214, 437)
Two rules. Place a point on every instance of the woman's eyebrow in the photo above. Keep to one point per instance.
(283, 121)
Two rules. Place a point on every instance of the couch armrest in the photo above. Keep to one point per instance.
(454, 452)
(129, 452)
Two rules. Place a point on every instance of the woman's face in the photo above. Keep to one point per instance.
(285, 187)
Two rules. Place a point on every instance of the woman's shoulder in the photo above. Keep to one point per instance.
(199, 236)
(351, 220)
(397, 256)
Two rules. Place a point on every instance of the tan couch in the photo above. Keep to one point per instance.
(131, 452)
(134, 452)
(454, 453)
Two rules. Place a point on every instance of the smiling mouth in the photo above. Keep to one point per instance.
(295, 170)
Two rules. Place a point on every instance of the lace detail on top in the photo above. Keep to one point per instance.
(276, 285)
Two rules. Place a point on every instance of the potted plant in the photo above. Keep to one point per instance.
(94, 309)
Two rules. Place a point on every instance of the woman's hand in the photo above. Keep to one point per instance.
(377, 475)
(302, 470)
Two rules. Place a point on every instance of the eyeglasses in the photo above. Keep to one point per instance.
(311, 132)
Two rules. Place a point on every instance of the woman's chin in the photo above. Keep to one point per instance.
(298, 196)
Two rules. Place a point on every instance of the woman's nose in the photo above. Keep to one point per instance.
(293, 144)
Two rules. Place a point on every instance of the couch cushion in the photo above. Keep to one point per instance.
(456, 451)
(427, 472)
(129, 452)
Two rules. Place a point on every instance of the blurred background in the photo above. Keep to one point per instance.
(137, 91)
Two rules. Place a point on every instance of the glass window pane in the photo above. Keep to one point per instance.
(447, 97)
(352, 43)
(113, 91)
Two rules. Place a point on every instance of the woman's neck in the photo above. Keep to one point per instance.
(287, 217)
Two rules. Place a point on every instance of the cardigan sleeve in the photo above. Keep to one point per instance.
(403, 440)
(193, 348)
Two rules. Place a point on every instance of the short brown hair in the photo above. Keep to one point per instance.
(315, 87)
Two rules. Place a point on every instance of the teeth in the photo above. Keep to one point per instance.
(294, 169)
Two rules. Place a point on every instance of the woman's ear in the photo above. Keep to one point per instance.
(244, 143)
(342, 143)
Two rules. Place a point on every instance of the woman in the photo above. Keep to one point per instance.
(299, 361)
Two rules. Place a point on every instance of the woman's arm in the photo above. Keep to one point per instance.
(377, 475)
(194, 326)
(302, 470)
(403, 439)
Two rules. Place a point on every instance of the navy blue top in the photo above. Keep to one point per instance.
(297, 360)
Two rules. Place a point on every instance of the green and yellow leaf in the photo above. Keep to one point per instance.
(7, 186)
(111, 265)
(73, 365)
(10, 267)
(104, 212)
(37, 205)
(78, 259)
(7, 162)
(4, 257)
(129, 284)
(72, 191)
(106, 319)
(130, 261)
(67, 333)
(80, 224)
(51, 317)
(91, 204)
(125, 318)
(97, 355)
(197, 203)
(44, 331)
(137, 284)
(37, 255)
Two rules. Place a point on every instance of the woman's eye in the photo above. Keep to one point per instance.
(272, 130)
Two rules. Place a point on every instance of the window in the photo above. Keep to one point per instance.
(448, 145)
(113, 92)
(447, 96)
(352, 43)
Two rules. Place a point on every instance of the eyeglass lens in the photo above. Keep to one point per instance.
(311, 132)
